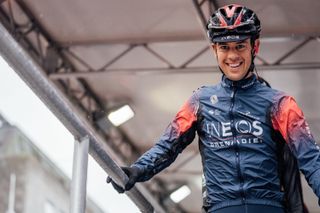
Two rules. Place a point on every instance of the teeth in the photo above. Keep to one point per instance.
(234, 65)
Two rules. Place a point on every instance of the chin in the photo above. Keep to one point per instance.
(234, 78)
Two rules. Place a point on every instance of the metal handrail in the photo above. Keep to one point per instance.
(34, 75)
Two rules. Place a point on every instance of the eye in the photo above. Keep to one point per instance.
(223, 47)
(241, 47)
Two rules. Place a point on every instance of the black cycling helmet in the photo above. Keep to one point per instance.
(233, 23)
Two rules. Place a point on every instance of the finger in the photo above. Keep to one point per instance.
(109, 179)
(118, 188)
(126, 170)
(129, 185)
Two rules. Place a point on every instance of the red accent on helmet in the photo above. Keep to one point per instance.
(237, 22)
(230, 10)
(233, 20)
(222, 21)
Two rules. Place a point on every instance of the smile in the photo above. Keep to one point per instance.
(235, 65)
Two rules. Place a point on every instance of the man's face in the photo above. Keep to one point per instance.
(234, 58)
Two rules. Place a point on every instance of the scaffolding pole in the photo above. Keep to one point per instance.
(79, 175)
(12, 192)
(34, 75)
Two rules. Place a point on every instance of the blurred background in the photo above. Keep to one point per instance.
(143, 58)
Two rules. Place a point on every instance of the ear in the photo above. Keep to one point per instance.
(256, 46)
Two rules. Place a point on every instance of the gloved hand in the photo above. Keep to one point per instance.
(133, 174)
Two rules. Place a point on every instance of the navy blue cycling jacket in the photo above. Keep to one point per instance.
(238, 124)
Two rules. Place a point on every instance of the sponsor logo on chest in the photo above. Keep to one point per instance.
(223, 129)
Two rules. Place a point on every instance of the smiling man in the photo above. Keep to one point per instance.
(242, 126)
(234, 58)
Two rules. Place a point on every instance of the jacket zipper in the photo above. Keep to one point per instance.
(233, 129)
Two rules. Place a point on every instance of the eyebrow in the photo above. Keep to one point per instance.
(225, 43)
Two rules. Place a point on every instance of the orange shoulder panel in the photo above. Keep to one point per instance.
(287, 116)
(185, 117)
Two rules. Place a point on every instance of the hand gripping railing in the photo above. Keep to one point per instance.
(33, 74)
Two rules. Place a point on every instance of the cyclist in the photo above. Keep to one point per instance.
(241, 123)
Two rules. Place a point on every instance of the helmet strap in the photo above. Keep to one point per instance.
(253, 55)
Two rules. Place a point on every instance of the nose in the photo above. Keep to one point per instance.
(233, 55)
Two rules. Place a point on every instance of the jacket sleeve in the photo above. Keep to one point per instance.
(289, 120)
(179, 133)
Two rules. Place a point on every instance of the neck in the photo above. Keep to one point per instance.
(243, 83)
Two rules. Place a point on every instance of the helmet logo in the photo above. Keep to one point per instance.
(231, 37)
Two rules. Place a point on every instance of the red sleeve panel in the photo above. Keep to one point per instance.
(185, 117)
(289, 120)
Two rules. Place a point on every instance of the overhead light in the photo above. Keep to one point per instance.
(180, 194)
(121, 115)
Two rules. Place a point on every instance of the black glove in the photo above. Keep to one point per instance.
(133, 174)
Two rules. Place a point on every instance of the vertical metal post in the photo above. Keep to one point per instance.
(12, 193)
(79, 175)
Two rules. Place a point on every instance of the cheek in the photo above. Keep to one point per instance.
(248, 58)
(219, 58)
(220, 62)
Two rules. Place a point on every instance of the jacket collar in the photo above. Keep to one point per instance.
(242, 84)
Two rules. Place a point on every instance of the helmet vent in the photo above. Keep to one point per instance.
(223, 12)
